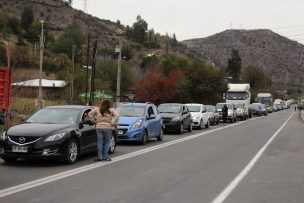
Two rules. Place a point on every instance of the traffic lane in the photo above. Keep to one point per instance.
(192, 171)
(278, 175)
(28, 170)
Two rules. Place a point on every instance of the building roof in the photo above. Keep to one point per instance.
(44, 83)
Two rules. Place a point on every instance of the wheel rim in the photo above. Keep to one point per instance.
(73, 151)
(112, 144)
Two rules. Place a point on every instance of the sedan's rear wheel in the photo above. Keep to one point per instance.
(72, 152)
(112, 144)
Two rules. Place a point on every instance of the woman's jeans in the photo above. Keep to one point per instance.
(103, 142)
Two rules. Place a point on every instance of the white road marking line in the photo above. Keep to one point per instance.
(228, 190)
(52, 178)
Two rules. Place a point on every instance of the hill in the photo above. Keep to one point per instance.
(280, 57)
(58, 15)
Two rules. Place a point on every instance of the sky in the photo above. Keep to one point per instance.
(190, 19)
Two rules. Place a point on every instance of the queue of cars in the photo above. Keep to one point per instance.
(63, 133)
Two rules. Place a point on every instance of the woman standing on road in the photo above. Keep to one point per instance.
(105, 118)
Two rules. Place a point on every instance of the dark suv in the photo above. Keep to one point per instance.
(176, 117)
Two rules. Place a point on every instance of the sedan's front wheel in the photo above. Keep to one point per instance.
(181, 129)
(144, 139)
(72, 152)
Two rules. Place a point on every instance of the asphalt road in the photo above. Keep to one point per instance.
(203, 166)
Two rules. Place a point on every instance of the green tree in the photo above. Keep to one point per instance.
(71, 36)
(234, 65)
(140, 28)
(256, 77)
(27, 18)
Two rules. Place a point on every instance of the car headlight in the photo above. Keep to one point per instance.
(3, 136)
(229, 113)
(137, 124)
(175, 119)
(54, 137)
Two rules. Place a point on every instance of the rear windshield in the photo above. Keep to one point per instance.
(169, 108)
(131, 111)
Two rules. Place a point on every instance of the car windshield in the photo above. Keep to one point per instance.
(169, 108)
(131, 111)
(237, 95)
(55, 116)
(209, 108)
(194, 108)
(264, 100)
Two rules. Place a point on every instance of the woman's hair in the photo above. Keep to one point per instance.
(105, 107)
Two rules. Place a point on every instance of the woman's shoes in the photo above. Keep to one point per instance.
(104, 159)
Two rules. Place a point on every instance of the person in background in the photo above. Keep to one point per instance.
(225, 113)
(105, 119)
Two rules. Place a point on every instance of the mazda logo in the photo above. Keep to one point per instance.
(21, 140)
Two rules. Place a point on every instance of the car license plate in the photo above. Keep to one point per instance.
(120, 132)
(21, 149)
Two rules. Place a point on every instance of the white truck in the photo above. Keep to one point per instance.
(239, 94)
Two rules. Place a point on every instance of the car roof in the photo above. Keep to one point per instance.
(68, 107)
(194, 104)
(136, 104)
(171, 104)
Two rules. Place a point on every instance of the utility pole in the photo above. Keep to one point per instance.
(40, 70)
(72, 75)
(118, 72)
(87, 71)
(92, 89)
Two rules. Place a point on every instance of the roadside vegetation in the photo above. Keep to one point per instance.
(152, 66)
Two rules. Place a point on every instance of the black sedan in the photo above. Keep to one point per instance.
(176, 117)
(56, 132)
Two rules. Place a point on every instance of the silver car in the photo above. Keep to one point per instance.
(213, 114)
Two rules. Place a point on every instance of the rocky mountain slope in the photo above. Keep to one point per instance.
(57, 15)
(280, 57)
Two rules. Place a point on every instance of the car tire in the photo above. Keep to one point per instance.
(161, 135)
(181, 129)
(112, 145)
(207, 124)
(190, 127)
(200, 125)
(144, 139)
(10, 160)
(218, 121)
(213, 121)
(71, 152)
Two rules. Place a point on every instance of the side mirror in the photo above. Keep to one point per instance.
(204, 111)
(152, 116)
(80, 125)
(185, 112)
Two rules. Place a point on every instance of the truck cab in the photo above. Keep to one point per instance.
(239, 94)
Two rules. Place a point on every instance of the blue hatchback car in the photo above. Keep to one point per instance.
(138, 122)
